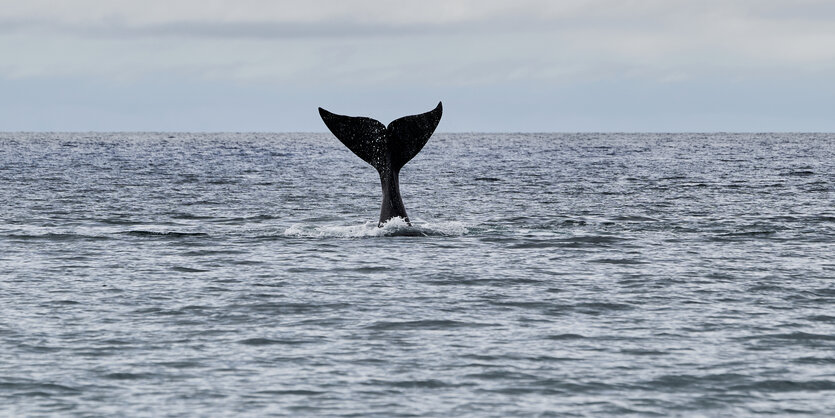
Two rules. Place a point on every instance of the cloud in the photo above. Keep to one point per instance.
(399, 13)
(431, 42)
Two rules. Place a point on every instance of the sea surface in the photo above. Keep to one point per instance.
(173, 274)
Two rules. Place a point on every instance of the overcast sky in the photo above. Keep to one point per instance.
(520, 65)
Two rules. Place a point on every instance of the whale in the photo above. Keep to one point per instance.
(386, 148)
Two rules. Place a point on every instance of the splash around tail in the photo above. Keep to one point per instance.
(395, 227)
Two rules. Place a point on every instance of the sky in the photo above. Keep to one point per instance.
(498, 66)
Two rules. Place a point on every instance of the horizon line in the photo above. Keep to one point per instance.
(442, 133)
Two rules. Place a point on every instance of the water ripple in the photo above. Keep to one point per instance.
(543, 275)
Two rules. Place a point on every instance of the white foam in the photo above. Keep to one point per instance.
(394, 227)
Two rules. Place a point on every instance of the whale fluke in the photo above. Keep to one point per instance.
(387, 149)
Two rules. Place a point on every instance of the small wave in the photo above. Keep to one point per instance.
(679, 381)
(65, 302)
(118, 221)
(424, 325)
(56, 237)
(413, 384)
(822, 318)
(31, 385)
(643, 352)
(822, 361)
(800, 173)
(182, 269)
(603, 306)
(396, 227)
(565, 337)
(186, 215)
(787, 386)
(742, 235)
(268, 341)
(634, 218)
(578, 241)
(243, 219)
(796, 336)
(624, 261)
(290, 392)
(127, 376)
(142, 233)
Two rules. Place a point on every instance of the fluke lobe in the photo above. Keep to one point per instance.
(386, 148)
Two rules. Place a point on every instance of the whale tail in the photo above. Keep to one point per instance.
(386, 148)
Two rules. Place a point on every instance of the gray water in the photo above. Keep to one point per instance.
(163, 274)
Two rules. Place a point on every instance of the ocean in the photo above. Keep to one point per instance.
(243, 274)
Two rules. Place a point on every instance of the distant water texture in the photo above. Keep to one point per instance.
(162, 274)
